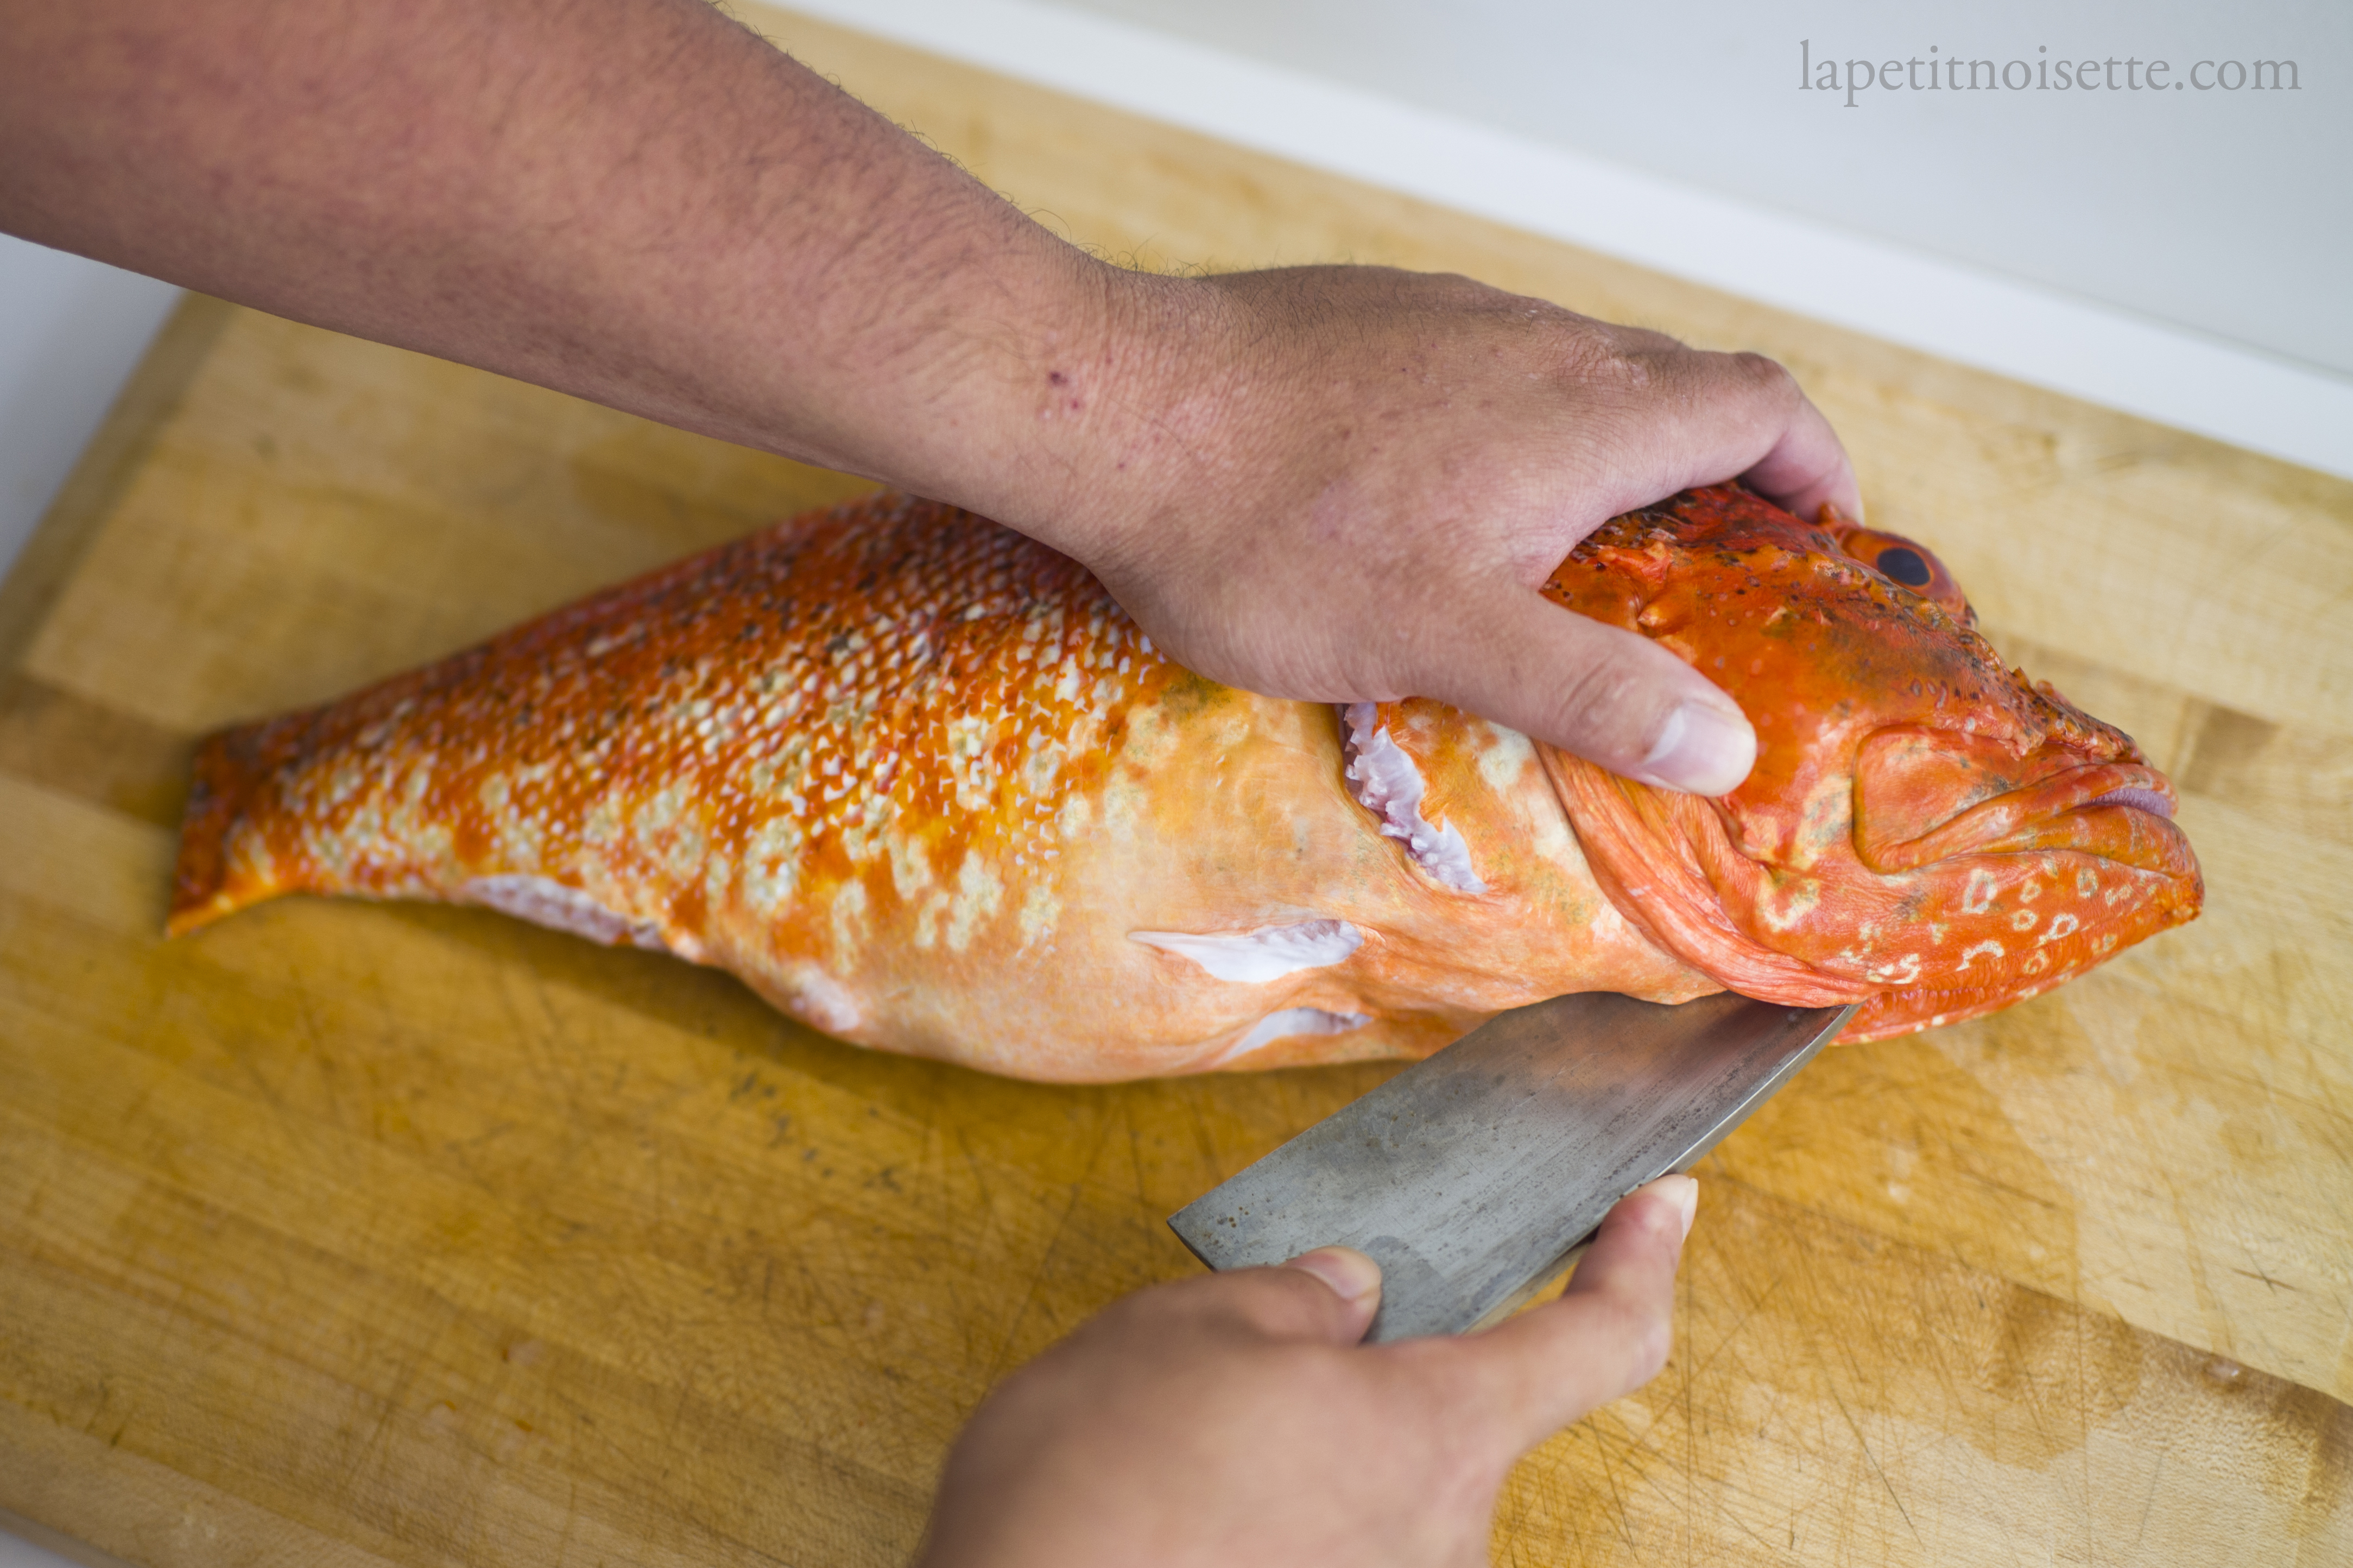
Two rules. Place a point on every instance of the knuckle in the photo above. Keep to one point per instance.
(1609, 364)
(1156, 1312)
(1652, 1340)
(1642, 1336)
(1630, 362)
(1761, 373)
(1651, 341)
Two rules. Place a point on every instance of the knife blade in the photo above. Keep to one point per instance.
(1475, 1176)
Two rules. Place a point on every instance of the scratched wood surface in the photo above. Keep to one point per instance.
(349, 1233)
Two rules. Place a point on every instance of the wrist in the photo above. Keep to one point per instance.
(1133, 424)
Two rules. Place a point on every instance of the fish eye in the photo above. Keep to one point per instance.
(1903, 566)
(1902, 561)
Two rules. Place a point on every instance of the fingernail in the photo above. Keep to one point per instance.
(1681, 1191)
(1700, 749)
(1351, 1274)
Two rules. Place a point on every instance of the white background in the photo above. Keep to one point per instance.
(2185, 255)
(16, 1553)
(2231, 213)
(70, 330)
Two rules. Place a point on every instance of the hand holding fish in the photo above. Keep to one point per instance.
(1304, 478)
(1233, 1419)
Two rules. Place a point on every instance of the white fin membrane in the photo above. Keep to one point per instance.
(1289, 1021)
(1385, 782)
(1254, 957)
(545, 902)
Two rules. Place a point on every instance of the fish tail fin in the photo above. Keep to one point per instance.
(233, 771)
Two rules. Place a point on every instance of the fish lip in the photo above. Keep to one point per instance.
(2154, 803)
(2016, 818)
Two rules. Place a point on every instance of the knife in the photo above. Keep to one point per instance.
(1475, 1177)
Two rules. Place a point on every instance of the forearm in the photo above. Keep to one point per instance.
(1336, 483)
(636, 201)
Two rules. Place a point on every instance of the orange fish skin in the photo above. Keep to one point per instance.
(917, 779)
(1926, 831)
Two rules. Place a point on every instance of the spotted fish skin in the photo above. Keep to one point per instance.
(920, 783)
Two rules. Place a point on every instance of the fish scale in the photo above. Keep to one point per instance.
(746, 680)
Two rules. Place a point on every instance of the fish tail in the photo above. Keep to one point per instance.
(234, 769)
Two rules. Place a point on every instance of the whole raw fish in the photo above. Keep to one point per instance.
(923, 784)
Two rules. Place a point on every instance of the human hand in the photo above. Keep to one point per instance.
(1348, 483)
(1234, 1419)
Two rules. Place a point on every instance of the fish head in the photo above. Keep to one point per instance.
(1927, 830)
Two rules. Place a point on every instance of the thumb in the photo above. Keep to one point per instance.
(1607, 1334)
(1605, 694)
(1328, 1295)
(1354, 1280)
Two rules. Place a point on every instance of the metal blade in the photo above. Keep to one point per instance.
(1474, 1176)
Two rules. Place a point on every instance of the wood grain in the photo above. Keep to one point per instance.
(357, 1235)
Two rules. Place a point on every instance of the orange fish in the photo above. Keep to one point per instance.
(920, 783)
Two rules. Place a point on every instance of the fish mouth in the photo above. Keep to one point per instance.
(1965, 877)
(2121, 811)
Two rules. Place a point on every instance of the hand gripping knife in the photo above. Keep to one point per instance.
(1476, 1176)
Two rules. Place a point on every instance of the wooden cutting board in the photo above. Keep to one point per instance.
(348, 1234)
